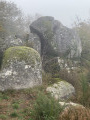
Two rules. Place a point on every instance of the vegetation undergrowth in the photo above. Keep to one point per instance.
(46, 108)
(29, 104)
(83, 96)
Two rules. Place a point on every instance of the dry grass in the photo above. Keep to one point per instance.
(75, 113)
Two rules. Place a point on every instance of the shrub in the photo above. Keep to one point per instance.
(49, 79)
(14, 114)
(46, 78)
(46, 108)
(3, 96)
(72, 77)
(3, 117)
(85, 96)
(15, 106)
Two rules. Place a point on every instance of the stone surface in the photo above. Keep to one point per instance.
(11, 41)
(21, 68)
(7, 42)
(56, 39)
(61, 90)
(34, 42)
(57, 63)
(2, 47)
(70, 104)
(2, 44)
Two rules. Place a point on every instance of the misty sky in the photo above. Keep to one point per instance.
(63, 10)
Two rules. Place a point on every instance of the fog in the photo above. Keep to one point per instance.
(65, 11)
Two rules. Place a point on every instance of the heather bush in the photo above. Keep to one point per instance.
(46, 108)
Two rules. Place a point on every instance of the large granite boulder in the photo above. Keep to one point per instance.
(56, 39)
(21, 68)
(61, 90)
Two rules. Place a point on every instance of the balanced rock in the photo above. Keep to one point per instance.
(56, 39)
(21, 68)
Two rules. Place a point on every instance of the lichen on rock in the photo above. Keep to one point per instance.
(61, 90)
(21, 68)
(20, 53)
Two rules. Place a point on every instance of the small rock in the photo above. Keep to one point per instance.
(61, 90)
(70, 104)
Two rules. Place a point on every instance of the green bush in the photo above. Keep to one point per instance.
(3, 96)
(3, 117)
(72, 77)
(46, 108)
(15, 106)
(46, 78)
(14, 114)
(85, 98)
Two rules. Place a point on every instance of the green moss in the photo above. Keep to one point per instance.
(58, 79)
(20, 53)
(55, 80)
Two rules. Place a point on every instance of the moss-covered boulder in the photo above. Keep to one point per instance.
(21, 68)
(61, 90)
